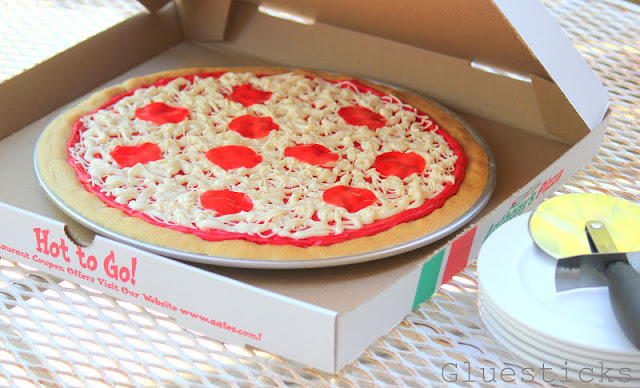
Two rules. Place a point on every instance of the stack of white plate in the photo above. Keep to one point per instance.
(572, 334)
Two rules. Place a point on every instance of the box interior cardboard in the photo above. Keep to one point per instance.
(506, 111)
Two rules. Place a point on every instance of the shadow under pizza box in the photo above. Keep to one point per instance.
(505, 67)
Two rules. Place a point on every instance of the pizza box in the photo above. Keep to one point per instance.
(505, 67)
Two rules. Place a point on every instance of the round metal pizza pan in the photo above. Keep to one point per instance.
(451, 228)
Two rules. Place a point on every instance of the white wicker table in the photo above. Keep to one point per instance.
(56, 333)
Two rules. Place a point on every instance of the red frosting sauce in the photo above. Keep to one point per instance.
(128, 156)
(161, 113)
(253, 127)
(399, 164)
(234, 203)
(232, 157)
(226, 201)
(315, 154)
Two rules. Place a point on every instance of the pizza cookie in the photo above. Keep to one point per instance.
(262, 163)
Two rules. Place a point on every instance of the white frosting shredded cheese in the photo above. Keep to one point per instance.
(286, 193)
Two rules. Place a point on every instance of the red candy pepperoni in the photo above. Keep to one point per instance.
(232, 157)
(128, 156)
(226, 202)
(315, 154)
(358, 115)
(350, 198)
(246, 95)
(253, 127)
(161, 113)
(399, 164)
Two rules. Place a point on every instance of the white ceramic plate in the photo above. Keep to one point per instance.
(557, 353)
(564, 371)
(549, 345)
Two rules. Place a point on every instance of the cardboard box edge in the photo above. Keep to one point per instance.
(175, 290)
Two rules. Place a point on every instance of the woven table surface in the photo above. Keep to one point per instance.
(56, 333)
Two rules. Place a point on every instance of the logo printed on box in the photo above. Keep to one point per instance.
(113, 270)
(523, 201)
(118, 274)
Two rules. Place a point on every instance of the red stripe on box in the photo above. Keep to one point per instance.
(458, 255)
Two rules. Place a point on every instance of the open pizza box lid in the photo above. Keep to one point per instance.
(516, 39)
(504, 62)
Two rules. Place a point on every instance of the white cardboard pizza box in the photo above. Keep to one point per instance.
(504, 66)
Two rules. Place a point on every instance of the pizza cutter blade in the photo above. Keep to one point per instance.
(557, 225)
(607, 267)
(584, 271)
(563, 218)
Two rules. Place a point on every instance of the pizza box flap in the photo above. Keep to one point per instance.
(515, 38)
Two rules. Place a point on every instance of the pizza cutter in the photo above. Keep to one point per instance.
(596, 239)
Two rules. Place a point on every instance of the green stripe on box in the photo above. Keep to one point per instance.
(428, 279)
